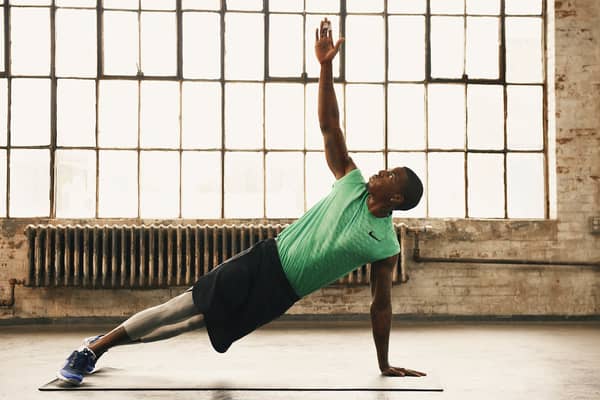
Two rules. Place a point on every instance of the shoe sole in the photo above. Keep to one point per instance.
(70, 381)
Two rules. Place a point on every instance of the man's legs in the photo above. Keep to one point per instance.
(166, 320)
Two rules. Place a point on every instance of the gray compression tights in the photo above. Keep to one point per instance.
(166, 320)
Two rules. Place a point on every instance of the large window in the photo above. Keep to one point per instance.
(165, 109)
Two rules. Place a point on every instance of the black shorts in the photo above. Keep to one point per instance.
(244, 292)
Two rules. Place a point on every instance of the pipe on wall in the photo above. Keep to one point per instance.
(459, 260)
(11, 301)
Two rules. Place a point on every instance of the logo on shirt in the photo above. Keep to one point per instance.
(373, 236)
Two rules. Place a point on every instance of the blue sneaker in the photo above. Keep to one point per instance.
(86, 342)
(76, 366)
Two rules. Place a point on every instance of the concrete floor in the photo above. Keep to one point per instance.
(472, 361)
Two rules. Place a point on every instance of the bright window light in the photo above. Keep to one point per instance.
(76, 43)
(29, 183)
(201, 184)
(75, 183)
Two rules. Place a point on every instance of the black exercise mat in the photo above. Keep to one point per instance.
(110, 379)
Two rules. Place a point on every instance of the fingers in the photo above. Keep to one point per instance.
(393, 371)
(410, 372)
(338, 44)
(324, 29)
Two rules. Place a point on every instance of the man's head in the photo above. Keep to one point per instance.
(398, 188)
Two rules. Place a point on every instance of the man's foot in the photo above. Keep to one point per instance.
(77, 365)
(86, 342)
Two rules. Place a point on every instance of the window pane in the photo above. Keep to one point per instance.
(322, 6)
(407, 6)
(525, 186)
(118, 114)
(319, 178)
(76, 3)
(244, 46)
(312, 23)
(127, 4)
(406, 48)
(285, 116)
(486, 185)
(159, 184)
(158, 4)
(29, 183)
(76, 112)
(359, 6)
(201, 115)
(446, 185)
(489, 7)
(3, 111)
(366, 40)
(365, 126)
(201, 4)
(447, 47)
(201, 45)
(30, 112)
(406, 117)
(245, 5)
(285, 45)
(244, 185)
(285, 185)
(286, 5)
(76, 43)
(75, 183)
(159, 40)
(159, 114)
(531, 7)
(2, 39)
(483, 41)
(368, 163)
(243, 115)
(121, 51)
(485, 108)
(524, 123)
(30, 2)
(524, 50)
(3, 182)
(201, 184)
(314, 137)
(446, 106)
(118, 184)
(416, 162)
(447, 6)
(30, 48)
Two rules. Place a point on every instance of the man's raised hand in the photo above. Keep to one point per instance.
(324, 48)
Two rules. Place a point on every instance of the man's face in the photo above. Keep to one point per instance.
(387, 182)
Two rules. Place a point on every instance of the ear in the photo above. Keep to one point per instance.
(397, 200)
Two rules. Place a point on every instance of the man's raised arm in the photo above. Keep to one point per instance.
(329, 116)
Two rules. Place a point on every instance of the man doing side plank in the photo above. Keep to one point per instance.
(350, 227)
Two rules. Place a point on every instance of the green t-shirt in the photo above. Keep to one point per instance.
(334, 237)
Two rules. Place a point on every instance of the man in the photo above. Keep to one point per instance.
(350, 227)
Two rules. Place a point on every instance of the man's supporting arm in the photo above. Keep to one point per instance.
(381, 307)
(381, 315)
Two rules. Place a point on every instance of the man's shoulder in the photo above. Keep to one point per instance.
(353, 177)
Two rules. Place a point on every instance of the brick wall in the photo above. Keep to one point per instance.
(443, 289)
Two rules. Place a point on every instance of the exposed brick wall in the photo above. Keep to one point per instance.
(444, 289)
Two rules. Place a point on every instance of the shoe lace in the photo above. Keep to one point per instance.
(78, 361)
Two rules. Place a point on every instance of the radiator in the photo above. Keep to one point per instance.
(141, 256)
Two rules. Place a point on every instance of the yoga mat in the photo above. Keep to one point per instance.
(105, 379)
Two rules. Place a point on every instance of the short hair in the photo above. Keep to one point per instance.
(412, 191)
